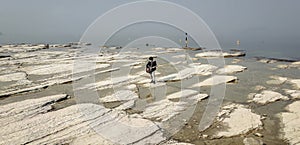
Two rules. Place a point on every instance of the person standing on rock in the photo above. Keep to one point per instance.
(150, 68)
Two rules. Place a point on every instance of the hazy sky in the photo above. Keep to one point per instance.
(257, 23)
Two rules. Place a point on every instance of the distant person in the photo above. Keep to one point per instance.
(47, 46)
(150, 68)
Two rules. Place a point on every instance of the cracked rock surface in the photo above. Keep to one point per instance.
(30, 122)
(237, 119)
(290, 123)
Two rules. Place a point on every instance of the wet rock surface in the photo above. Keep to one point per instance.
(252, 141)
(131, 110)
(237, 119)
(208, 54)
(295, 94)
(229, 69)
(215, 80)
(290, 122)
(268, 96)
(276, 80)
(296, 82)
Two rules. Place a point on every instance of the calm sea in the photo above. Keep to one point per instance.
(282, 53)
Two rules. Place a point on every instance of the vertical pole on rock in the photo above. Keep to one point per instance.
(186, 40)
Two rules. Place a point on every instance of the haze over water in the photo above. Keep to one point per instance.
(266, 28)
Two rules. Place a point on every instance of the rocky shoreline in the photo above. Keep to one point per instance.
(38, 105)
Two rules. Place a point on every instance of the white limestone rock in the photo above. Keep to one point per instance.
(229, 69)
(126, 130)
(91, 139)
(174, 49)
(283, 66)
(182, 56)
(34, 124)
(164, 110)
(187, 94)
(185, 73)
(182, 94)
(258, 134)
(12, 91)
(111, 82)
(237, 119)
(132, 87)
(296, 82)
(252, 141)
(171, 77)
(204, 69)
(215, 80)
(268, 96)
(259, 88)
(181, 75)
(265, 60)
(158, 48)
(209, 54)
(128, 105)
(173, 142)
(290, 123)
(295, 94)
(277, 80)
(18, 111)
(199, 97)
(138, 63)
(26, 86)
(194, 69)
(47, 69)
(234, 61)
(295, 65)
(58, 68)
(120, 96)
(12, 77)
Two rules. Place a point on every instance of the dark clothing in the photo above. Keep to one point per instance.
(152, 66)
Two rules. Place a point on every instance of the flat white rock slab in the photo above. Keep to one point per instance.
(277, 80)
(164, 110)
(109, 83)
(290, 123)
(229, 69)
(199, 97)
(128, 105)
(215, 80)
(59, 68)
(47, 69)
(204, 69)
(208, 54)
(170, 77)
(120, 96)
(173, 142)
(237, 119)
(296, 82)
(295, 94)
(33, 122)
(12, 77)
(252, 141)
(194, 69)
(183, 74)
(182, 94)
(28, 108)
(267, 96)
(295, 64)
